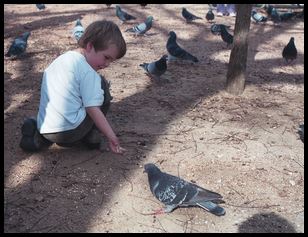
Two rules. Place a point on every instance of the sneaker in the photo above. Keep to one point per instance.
(31, 139)
(232, 14)
(220, 14)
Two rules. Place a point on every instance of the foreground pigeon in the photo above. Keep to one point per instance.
(40, 6)
(301, 132)
(225, 35)
(175, 192)
(78, 30)
(257, 17)
(142, 28)
(122, 15)
(189, 16)
(287, 16)
(157, 68)
(216, 28)
(176, 51)
(289, 52)
(210, 16)
(19, 45)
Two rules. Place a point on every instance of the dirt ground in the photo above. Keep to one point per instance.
(244, 147)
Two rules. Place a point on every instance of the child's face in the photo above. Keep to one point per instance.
(100, 59)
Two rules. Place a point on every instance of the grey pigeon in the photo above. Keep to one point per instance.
(301, 132)
(157, 68)
(225, 35)
(257, 17)
(122, 15)
(289, 52)
(176, 51)
(78, 30)
(40, 6)
(275, 16)
(216, 28)
(287, 16)
(19, 45)
(210, 16)
(142, 28)
(175, 192)
(189, 16)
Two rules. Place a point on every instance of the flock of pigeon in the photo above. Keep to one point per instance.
(173, 191)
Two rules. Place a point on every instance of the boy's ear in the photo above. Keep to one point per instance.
(89, 46)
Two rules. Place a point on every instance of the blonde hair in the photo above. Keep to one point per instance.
(101, 34)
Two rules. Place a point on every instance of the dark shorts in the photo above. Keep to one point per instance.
(87, 127)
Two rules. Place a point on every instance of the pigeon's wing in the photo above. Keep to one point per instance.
(175, 50)
(140, 29)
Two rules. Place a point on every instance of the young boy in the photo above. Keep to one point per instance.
(74, 97)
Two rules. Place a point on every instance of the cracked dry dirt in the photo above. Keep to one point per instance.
(245, 147)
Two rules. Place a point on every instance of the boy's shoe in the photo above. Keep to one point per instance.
(31, 139)
(233, 14)
(220, 14)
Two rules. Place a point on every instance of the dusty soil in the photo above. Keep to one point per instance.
(243, 147)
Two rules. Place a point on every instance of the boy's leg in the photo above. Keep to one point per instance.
(70, 137)
(221, 9)
(231, 9)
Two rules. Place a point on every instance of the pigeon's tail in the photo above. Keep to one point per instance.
(130, 30)
(188, 56)
(212, 208)
(8, 54)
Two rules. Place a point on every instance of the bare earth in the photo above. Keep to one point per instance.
(243, 147)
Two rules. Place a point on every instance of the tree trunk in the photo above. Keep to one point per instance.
(237, 64)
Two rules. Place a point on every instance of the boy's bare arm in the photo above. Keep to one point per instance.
(103, 126)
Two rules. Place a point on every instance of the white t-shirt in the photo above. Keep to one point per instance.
(69, 85)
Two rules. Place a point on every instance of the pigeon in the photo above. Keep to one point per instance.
(189, 16)
(257, 17)
(157, 68)
(40, 6)
(175, 192)
(301, 132)
(289, 52)
(176, 51)
(275, 16)
(287, 16)
(216, 28)
(19, 45)
(225, 35)
(210, 16)
(78, 30)
(142, 28)
(122, 15)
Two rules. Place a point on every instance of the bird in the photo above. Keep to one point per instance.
(210, 15)
(301, 132)
(225, 35)
(157, 68)
(19, 45)
(122, 15)
(287, 16)
(78, 30)
(175, 192)
(175, 51)
(40, 6)
(275, 16)
(257, 17)
(216, 28)
(289, 52)
(143, 27)
(189, 16)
